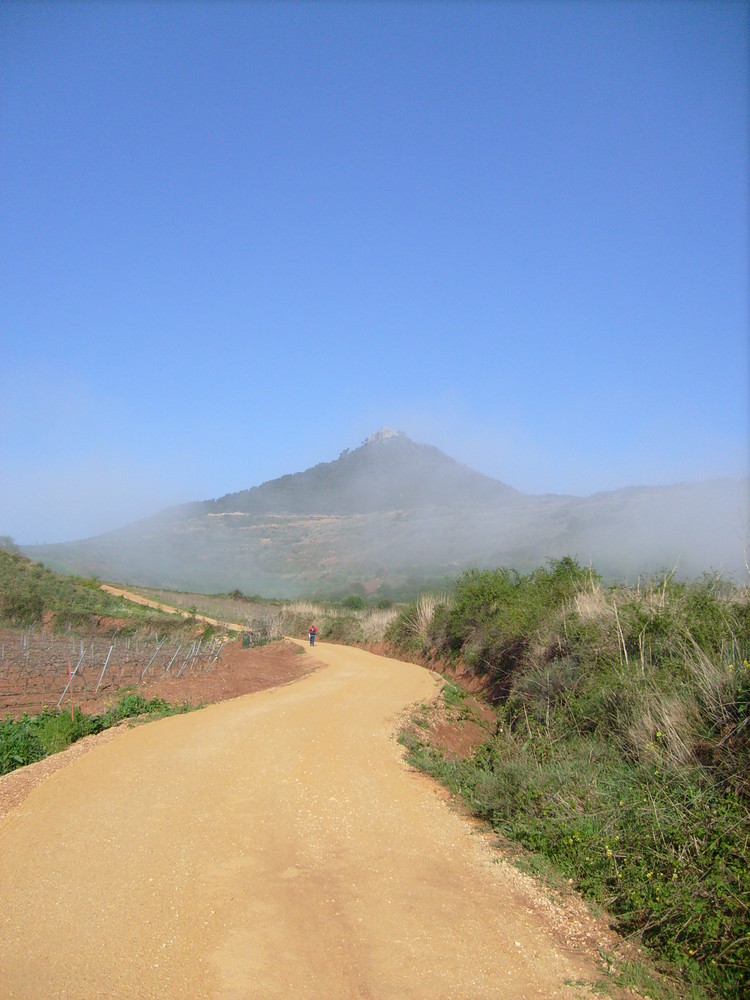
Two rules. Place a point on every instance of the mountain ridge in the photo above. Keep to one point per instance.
(392, 515)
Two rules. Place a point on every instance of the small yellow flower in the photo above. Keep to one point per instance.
(650, 875)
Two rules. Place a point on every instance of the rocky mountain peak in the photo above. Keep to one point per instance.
(384, 434)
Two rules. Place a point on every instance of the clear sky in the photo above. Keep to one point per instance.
(237, 238)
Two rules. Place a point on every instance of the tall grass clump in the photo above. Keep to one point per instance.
(622, 753)
(414, 627)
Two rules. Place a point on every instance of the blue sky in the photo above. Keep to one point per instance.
(237, 238)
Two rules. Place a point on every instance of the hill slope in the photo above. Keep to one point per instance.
(393, 514)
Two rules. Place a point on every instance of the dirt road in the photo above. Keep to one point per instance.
(274, 846)
(160, 606)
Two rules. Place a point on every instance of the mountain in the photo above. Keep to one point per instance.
(392, 515)
(389, 472)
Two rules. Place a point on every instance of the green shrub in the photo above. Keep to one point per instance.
(20, 744)
(400, 631)
(354, 602)
(31, 738)
(420, 626)
(57, 730)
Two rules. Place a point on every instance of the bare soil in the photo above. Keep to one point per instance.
(217, 672)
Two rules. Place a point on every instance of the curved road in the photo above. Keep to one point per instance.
(274, 846)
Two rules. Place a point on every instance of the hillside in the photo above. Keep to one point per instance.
(31, 594)
(393, 515)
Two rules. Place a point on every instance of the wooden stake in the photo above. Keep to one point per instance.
(70, 685)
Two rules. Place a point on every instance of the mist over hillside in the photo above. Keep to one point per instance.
(393, 515)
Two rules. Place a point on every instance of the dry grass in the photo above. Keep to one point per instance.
(374, 623)
(592, 604)
(419, 621)
(346, 624)
(665, 729)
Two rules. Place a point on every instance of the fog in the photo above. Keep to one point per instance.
(62, 505)
(393, 514)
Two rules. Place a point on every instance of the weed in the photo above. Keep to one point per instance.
(20, 744)
(453, 695)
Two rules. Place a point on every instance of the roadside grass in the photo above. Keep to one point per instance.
(637, 977)
(622, 751)
(33, 737)
(351, 620)
(336, 622)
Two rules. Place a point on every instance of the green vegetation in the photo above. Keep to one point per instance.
(622, 751)
(33, 737)
(352, 620)
(354, 602)
(29, 591)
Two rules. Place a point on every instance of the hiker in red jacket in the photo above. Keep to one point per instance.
(312, 632)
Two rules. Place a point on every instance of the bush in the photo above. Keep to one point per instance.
(32, 738)
(623, 750)
(57, 730)
(353, 602)
(20, 744)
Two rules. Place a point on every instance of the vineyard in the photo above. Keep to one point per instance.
(39, 668)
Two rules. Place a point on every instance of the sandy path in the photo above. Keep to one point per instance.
(274, 846)
(147, 602)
